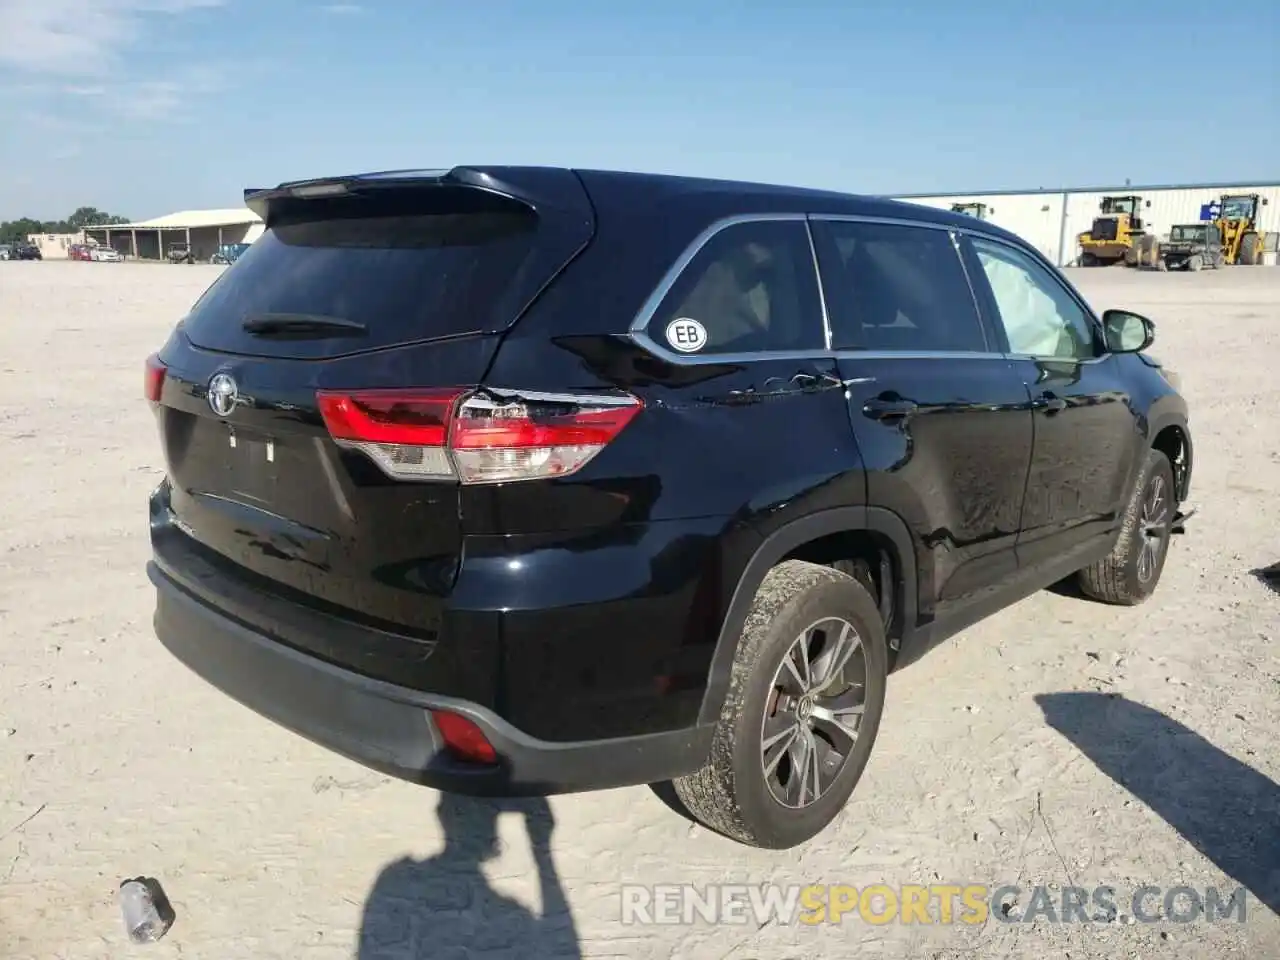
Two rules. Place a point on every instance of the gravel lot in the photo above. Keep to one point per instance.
(1060, 743)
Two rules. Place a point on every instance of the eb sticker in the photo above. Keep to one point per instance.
(686, 335)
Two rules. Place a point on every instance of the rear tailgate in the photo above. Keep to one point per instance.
(388, 285)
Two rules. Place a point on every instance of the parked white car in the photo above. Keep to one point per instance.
(105, 255)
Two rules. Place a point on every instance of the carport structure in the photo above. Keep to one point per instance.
(202, 230)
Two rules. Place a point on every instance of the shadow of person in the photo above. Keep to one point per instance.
(1222, 807)
(444, 908)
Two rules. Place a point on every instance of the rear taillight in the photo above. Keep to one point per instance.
(153, 379)
(475, 436)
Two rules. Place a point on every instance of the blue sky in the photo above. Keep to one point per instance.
(143, 107)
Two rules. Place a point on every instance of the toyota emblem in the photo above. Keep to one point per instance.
(223, 394)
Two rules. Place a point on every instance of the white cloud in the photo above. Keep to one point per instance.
(163, 99)
(77, 36)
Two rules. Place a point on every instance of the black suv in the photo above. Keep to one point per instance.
(523, 480)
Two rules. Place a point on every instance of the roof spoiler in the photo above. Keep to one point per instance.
(542, 188)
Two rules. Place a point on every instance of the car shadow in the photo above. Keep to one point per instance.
(1068, 587)
(1224, 808)
(442, 907)
(665, 791)
(1269, 576)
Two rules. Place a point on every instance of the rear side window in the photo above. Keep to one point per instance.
(897, 288)
(751, 288)
(404, 269)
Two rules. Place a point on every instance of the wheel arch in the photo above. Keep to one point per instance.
(797, 540)
(1172, 437)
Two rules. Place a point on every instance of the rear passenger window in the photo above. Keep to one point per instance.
(901, 288)
(751, 288)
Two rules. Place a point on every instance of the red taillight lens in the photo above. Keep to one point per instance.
(415, 418)
(477, 437)
(530, 435)
(153, 381)
(463, 738)
(485, 425)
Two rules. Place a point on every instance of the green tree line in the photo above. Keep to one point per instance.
(12, 231)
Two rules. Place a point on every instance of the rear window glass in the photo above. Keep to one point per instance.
(752, 288)
(404, 272)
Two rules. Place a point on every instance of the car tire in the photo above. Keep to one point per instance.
(1129, 574)
(1195, 263)
(734, 794)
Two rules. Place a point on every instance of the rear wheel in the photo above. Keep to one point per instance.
(802, 712)
(1088, 260)
(1129, 574)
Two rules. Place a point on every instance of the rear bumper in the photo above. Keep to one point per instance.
(389, 728)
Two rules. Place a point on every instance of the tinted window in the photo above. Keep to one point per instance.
(751, 288)
(1039, 317)
(898, 288)
(406, 269)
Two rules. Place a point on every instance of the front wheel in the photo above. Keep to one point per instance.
(802, 712)
(1251, 249)
(1129, 574)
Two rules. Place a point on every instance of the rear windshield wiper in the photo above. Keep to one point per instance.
(302, 324)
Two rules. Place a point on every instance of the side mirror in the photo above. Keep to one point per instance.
(1127, 332)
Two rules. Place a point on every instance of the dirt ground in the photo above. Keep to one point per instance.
(1061, 743)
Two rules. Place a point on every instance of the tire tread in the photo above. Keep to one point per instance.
(1108, 579)
(709, 793)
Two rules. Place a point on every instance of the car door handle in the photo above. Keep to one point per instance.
(880, 408)
(1049, 403)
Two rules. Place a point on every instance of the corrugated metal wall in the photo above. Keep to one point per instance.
(1051, 221)
(1036, 217)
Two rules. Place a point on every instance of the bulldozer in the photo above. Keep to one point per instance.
(1237, 223)
(977, 210)
(1115, 234)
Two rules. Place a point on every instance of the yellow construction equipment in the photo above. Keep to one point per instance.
(1115, 233)
(1237, 223)
(978, 210)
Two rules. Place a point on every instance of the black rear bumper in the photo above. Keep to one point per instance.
(389, 728)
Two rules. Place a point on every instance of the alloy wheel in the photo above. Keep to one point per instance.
(813, 712)
(1153, 524)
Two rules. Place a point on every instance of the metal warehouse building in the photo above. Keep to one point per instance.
(1052, 219)
(203, 230)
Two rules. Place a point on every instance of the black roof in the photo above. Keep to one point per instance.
(710, 198)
